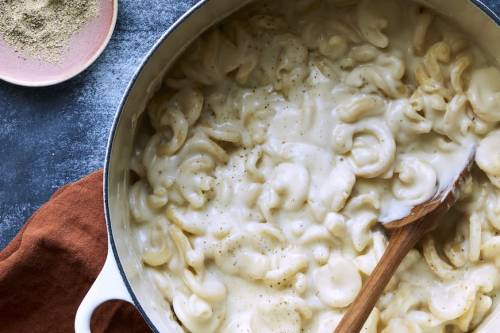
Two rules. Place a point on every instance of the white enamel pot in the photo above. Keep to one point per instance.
(122, 277)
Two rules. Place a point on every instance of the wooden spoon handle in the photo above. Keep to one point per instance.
(401, 241)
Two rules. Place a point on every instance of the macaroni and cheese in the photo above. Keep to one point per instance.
(284, 134)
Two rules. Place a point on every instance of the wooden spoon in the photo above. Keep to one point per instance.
(404, 235)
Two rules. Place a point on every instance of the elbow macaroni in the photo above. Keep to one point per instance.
(282, 137)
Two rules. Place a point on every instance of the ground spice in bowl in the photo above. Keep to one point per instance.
(42, 28)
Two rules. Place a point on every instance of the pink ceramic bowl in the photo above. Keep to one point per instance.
(84, 48)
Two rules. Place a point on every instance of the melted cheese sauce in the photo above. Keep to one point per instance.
(284, 135)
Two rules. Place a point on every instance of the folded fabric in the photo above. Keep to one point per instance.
(47, 269)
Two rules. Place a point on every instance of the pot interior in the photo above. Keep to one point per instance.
(478, 25)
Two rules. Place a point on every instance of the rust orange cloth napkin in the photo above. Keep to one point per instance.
(47, 269)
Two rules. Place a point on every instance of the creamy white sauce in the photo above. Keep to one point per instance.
(447, 167)
(284, 136)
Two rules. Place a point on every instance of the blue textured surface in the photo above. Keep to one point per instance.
(55, 135)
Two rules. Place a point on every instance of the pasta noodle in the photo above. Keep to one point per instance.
(282, 137)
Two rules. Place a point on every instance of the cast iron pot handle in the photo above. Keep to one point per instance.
(109, 285)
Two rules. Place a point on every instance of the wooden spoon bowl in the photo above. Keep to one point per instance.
(404, 235)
